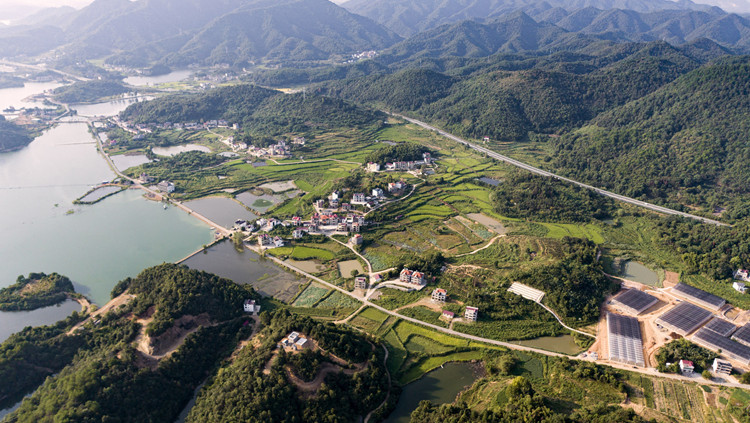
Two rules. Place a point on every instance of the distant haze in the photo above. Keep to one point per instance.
(16, 9)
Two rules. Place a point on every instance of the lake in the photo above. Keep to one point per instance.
(224, 260)
(177, 149)
(221, 210)
(634, 271)
(14, 96)
(94, 245)
(175, 76)
(14, 321)
(440, 386)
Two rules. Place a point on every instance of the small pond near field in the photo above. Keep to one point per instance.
(634, 271)
(221, 210)
(224, 260)
(177, 149)
(564, 344)
(125, 161)
(440, 386)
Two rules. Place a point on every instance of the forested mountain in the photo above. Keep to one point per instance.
(549, 97)
(684, 143)
(12, 136)
(206, 31)
(408, 17)
(258, 110)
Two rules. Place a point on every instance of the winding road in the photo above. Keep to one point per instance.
(536, 170)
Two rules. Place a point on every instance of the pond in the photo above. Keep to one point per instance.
(14, 321)
(260, 203)
(564, 344)
(100, 193)
(221, 210)
(125, 161)
(175, 76)
(109, 108)
(224, 260)
(489, 181)
(440, 386)
(634, 271)
(177, 149)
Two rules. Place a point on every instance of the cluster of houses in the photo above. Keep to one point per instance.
(404, 166)
(741, 275)
(280, 149)
(293, 342)
(265, 240)
(470, 314)
(189, 126)
(318, 223)
(414, 277)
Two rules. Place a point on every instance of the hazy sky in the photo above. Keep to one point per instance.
(742, 6)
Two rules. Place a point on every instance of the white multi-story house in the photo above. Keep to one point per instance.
(471, 313)
(439, 295)
(359, 198)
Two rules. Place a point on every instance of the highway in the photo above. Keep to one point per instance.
(536, 170)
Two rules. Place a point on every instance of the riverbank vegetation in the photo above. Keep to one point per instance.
(35, 291)
(89, 91)
(12, 136)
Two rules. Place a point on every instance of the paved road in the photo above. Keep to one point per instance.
(541, 172)
(648, 371)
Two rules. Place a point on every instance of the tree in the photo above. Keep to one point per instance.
(706, 375)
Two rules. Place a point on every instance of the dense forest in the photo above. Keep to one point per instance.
(259, 111)
(102, 377)
(35, 291)
(541, 199)
(89, 91)
(683, 144)
(243, 391)
(12, 136)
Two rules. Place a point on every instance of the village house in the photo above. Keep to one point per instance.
(278, 242)
(378, 193)
(405, 275)
(360, 282)
(356, 240)
(439, 295)
(250, 307)
(412, 276)
(264, 240)
(739, 287)
(342, 227)
(296, 220)
(722, 366)
(334, 203)
(346, 207)
(427, 158)
(395, 186)
(320, 203)
(448, 315)
(471, 313)
(165, 186)
(686, 367)
(145, 179)
(298, 233)
(299, 140)
(355, 227)
(373, 167)
(359, 198)
(742, 274)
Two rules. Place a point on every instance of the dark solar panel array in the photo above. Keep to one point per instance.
(685, 317)
(699, 295)
(715, 341)
(624, 326)
(636, 300)
(743, 334)
(721, 326)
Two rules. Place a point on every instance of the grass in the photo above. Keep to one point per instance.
(587, 231)
(392, 299)
(311, 295)
(338, 300)
(302, 253)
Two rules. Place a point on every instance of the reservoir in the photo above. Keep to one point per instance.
(221, 210)
(440, 386)
(14, 96)
(109, 108)
(94, 245)
(14, 321)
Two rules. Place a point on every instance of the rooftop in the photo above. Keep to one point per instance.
(635, 300)
(698, 295)
(684, 318)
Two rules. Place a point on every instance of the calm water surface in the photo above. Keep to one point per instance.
(245, 267)
(15, 96)
(634, 271)
(95, 246)
(221, 210)
(109, 108)
(175, 76)
(440, 386)
(177, 149)
(124, 161)
(14, 321)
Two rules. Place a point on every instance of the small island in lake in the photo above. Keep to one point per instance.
(35, 291)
